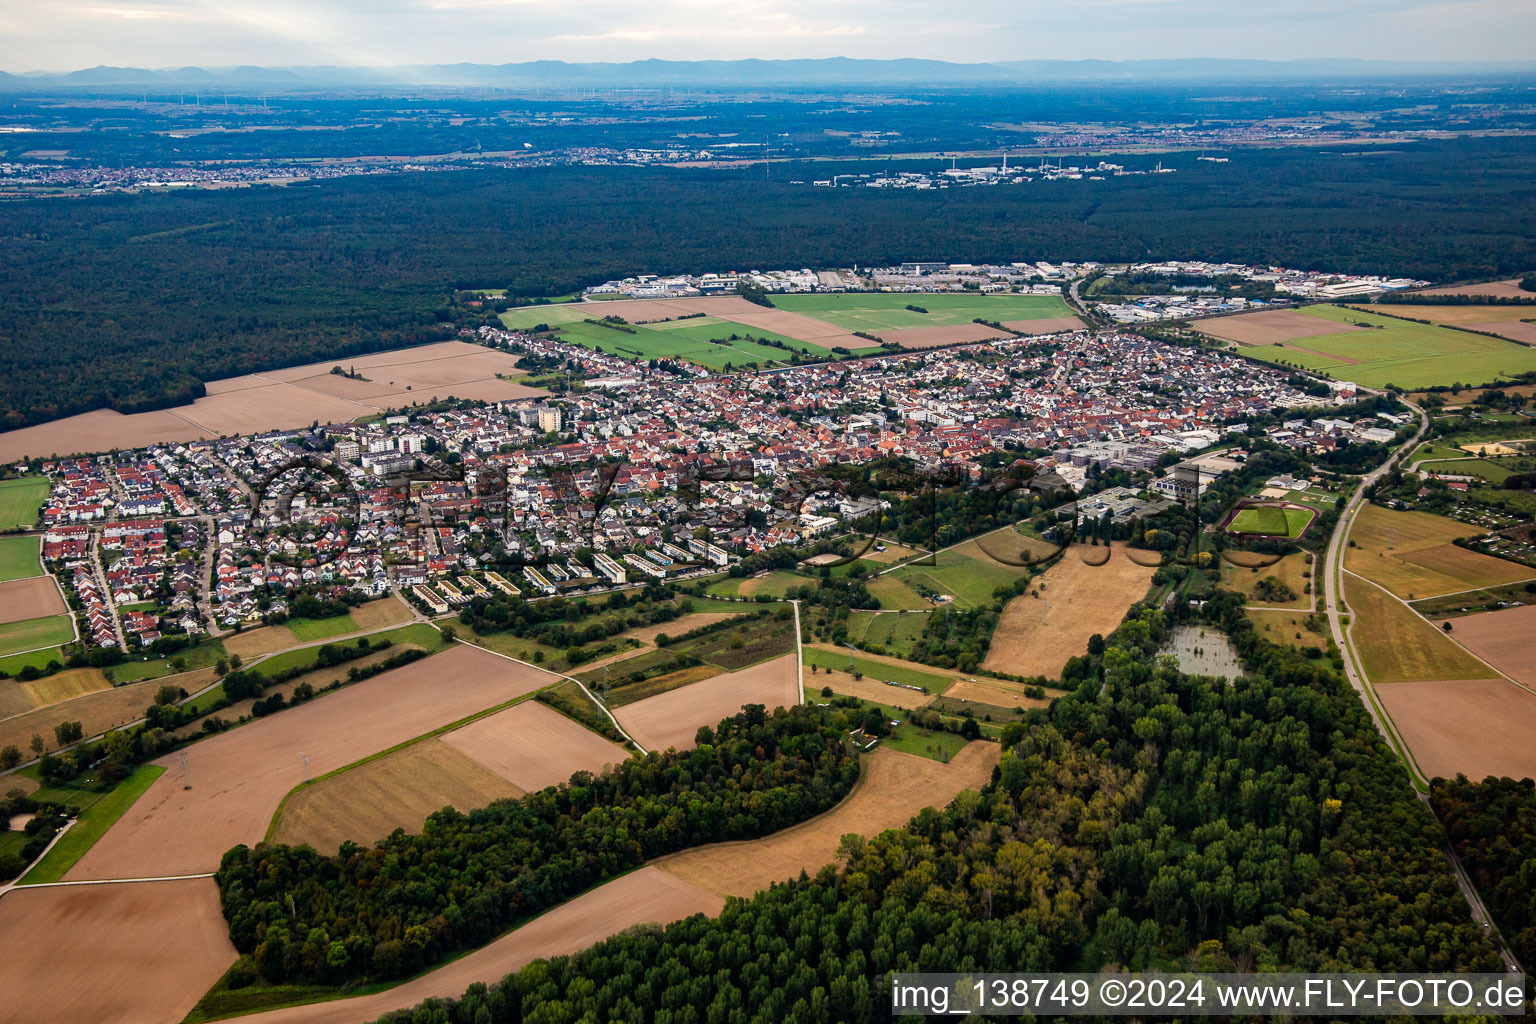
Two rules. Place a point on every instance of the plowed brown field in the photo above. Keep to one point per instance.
(533, 746)
(1478, 727)
(672, 719)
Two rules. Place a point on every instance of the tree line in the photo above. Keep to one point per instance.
(1147, 819)
(382, 912)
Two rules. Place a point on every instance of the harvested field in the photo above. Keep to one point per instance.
(1411, 554)
(678, 626)
(238, 778)
(1396, 646)
(96, 713)
(1290, 570)
(1509, 289)
(892, 788)
(1007, 545)
(133, 953)
(992, 692)
(866, 688)
(892, 553)
(381, 614)
(1283, 627)
(291, 397)
(30, 599)
(1479, 727)
(1505, 639)
(672, 719)
(1035, 640)
(399, 790)
(933, 337)
(1270, 326)
(533, 746)
(647, 896)
(253, 643)
(96, 432)
(1045, 325)
(64, 685)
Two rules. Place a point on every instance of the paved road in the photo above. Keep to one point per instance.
(1337, 545)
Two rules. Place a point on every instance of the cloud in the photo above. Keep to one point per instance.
(158, 33)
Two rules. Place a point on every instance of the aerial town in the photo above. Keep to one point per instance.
(443, 504)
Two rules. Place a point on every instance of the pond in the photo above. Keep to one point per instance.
(1204, 651)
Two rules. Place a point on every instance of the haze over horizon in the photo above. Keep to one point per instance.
(65, 35)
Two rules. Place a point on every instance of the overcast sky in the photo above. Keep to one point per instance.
(61, 35)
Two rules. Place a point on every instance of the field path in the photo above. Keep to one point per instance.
(238, 778)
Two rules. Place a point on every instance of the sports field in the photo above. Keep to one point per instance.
(1389, 350)
(876, 312)
(19, 558)
(1272, 521)
(20, 501)
(1411, 554)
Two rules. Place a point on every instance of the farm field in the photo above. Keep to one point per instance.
(31, 598)
(1271, 327)
(1505, 639)
(307, 631)
(63, 685)
(1478, 727)
(678, 626)
(879, 668)
(1272, 521)
(29, 634)
(19, 558)
(995, 692)
(1506, 289)
(1389, 351)
(1009, 543)
(135, 953)
(672, 719)
(98, 812)
(1288, 627)
(1411, 554)
(399, 790)
(21, 500)
(292, 397)
(1290, 571)
(1505, 321)
(936, 337)
(775, 584)
(1032, 639)
(1495, 472)
(971, 581)
(892, 788)
(238, 778)
(1396, 646)
(96, 712)
(876, 312)
(867, 688)
(891, 630)
(707, 346)
(647, 896)
(253, 643)
(894, 595)
(533, 746)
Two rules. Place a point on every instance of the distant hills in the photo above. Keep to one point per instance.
(838, 72)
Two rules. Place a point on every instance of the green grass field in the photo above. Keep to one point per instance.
(872, 669)
(310, 630)
(202, 655)
(876, 311)
(20, 501)
(970, 580)
(1267, 521)
(896, 633)
(18, 558)
(48, 631)
(1492, 470)
(16, 662)
(688, 340)
(1406, 354)
(103, 810)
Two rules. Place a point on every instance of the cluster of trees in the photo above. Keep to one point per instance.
(47, 818)
(564, 623)
(1148, 819)
(1492, 827)
(134, 301)
(411, 900)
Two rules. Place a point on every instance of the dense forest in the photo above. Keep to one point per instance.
(1148, 819)
(411, 900)
(1492, 827)
(131, 302)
